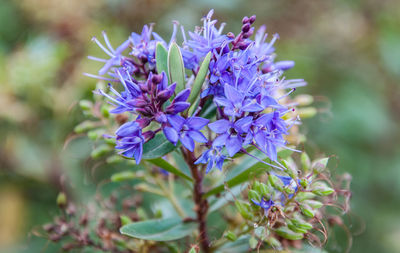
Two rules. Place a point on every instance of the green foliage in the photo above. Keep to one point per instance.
(176, 68)
(159, 230)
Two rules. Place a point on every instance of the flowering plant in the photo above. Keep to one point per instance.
(212, 120)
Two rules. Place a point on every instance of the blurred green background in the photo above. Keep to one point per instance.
(348, 51)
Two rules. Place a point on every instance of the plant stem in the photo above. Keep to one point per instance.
(170, 195)
(201, 203)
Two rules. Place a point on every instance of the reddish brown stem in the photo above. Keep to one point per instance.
(201, 204)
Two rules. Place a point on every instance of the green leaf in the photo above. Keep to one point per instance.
(159, 230)
(240, 174)
(198, 82)
(169, 167)
(161, 59)
(176, 68)
(157, 147)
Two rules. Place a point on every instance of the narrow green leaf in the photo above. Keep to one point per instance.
(161, 59)
(157, 147)
(169, 167)
(198, 82)
(176, 68)
(240, 174)
(159, 230)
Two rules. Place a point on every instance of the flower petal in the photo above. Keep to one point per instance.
(197, 136)
(220, 126)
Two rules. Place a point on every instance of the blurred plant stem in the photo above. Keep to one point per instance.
(169, 193)
(201, 203)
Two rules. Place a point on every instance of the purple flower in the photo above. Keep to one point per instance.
(185, 130)
(268, 133)
(213, 157)
(143, 46)
(130, 140)
(264, 204)
(236, 102)
(230, 133)
(116, 57)
(123, 101)
(204, 40)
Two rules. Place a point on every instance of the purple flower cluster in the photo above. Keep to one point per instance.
(244, 83)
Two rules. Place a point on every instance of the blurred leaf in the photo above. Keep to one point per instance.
(240, 245)
(176, 68)
(162, 59)
(159, 230)
(157, 147)
(170, 168)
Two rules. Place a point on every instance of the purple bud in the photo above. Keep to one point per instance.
(143, 122)
(160, 117)
(252, 19)
(246, 28)
(138, 102)
(245, 20)
(243, 45)
(156, 79)
(145, 111)
(148, 135)
(177, 107)
(231, 35)
(143, 87)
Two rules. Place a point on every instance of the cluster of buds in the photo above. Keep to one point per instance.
(285, 208)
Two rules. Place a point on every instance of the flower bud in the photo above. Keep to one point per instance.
(245, 20)
(125, 220)
(61, 199)
(288, 234)
(307, 210)
(320, 164)
(100, 151)
(85, 105)
(307, 112)
(105, 111)
(321, 189)
(305, 161)
(275, 182)
(246, 28)
(304, 99)
(252, 19)
(253, 195)
(313, 203)
(305, 195)
(243, 209)
(84, 126)
(230, 236)
(273, 242)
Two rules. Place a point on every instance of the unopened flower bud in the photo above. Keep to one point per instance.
(243, 209)
(307, 210)
(246, 28)
(275, 182)
(253, 195)
(61, 199)
(252, 19)
(231, 236)
(245, 20)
